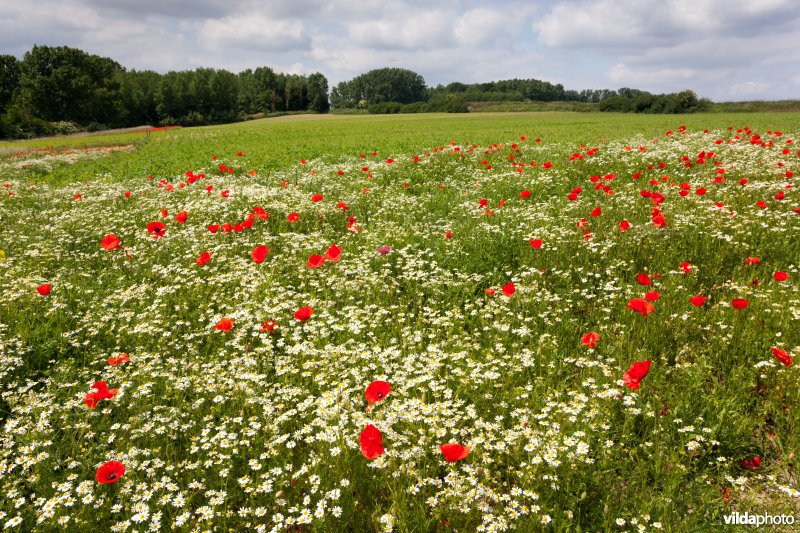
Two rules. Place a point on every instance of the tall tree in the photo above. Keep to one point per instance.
(62, 83)
(318, 93)
(9, 79)
(380, 85)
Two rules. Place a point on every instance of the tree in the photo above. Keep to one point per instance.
(318, 93)
(138, 93)
(9, 79)
(62, 83)
(380, 85)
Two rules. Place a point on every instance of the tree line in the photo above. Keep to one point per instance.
(396, 90)
(55, 90)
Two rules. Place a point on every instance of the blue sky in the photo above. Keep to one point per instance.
(723, 49)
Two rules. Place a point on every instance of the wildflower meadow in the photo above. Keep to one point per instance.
(534, 322)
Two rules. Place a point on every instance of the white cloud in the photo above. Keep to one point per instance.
(748, 88)
(255, 33)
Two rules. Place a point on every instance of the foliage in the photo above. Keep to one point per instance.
(53, 84)
(379, 85)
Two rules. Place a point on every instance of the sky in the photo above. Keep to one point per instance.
(725, 50)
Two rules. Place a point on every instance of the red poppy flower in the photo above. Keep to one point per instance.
(782, 356)
(488, 292)
(780, 276)
(127, 194)
(697, 301)
(659, 221)
(100, 391)
(110, 242)
(334, 253)
(259, 212)
(686, 267)
(213, 228)
(371, 442)
(316, 198)
(377, 391)
(448, 235)
(304, 313)
(293, 217)
(624, 225)
(596, 212)
(156, 229)
(739, 303)
(590, 339)
(525, 194)
(118, 359)
(268, 326)
(752, 261)
(652, 296)
(754, 463)
(452, 451)
(509, 289)
(641, 306)
(315, 261)
(636, 374)
(224, 325)
(181, 217)
(547, 164)
(343, 206)
(259, 253)
(536, 243)
(643, 279)
(43, 289)
(164, 213)
(110, 472)
(204, 258)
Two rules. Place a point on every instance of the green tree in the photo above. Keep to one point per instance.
(138, 97)
(9, 79)
(380, 85)
(62, 83)
(318, 93)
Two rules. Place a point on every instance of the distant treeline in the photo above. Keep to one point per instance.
(396, 90)
(56, 90)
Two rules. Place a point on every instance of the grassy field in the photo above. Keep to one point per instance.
(242, 291)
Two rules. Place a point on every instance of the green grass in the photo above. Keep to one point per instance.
(257, 428)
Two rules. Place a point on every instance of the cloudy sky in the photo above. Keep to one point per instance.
(723, 49)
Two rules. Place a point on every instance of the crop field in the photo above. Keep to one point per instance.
(532, 322)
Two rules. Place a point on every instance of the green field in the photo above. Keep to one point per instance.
(472, 274)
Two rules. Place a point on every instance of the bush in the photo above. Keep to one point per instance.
(385, 108)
